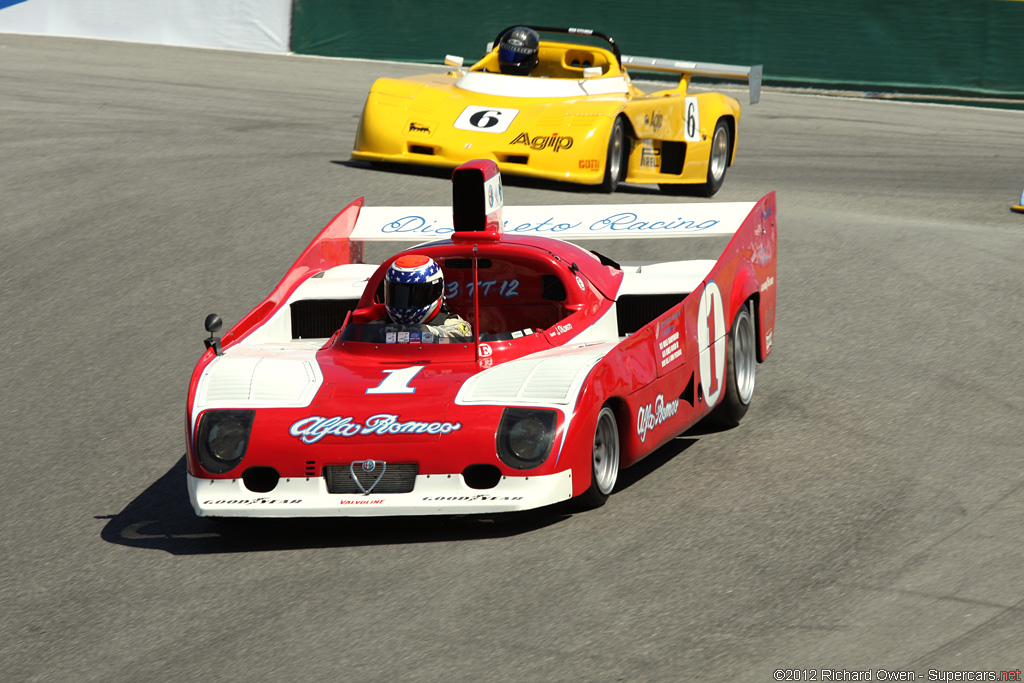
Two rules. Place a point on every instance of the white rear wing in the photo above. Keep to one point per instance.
(600, 221)
(751, 74)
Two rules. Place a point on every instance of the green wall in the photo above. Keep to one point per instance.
(958, 46)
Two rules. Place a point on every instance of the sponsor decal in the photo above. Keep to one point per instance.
(579, 283)
(492, 192)
(670, 348)
(415, 127)
(667, 323)
(361, 501)
(560, 329)
(254, 501)
(485, 350)
(471, 499)
(768, 340)
(623, 222)
(653, 120)
(589, 164)
(649, 156)
(767, 283)
(539, 142)
(311, 429)
(650, 416)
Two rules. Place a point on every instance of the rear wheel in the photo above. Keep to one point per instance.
(740, 369)
(604, 460)
(718, 162)
(613, 167)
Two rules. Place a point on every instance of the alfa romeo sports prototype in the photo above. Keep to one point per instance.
(573, 115)
(576, 366)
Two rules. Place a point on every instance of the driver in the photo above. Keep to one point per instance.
(517, 51)
(414, 295)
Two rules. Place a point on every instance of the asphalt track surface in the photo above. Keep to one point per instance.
(867, 514)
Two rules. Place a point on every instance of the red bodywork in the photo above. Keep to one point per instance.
(661, 359)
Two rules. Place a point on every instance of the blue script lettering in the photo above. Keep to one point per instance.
(628, 221)
(416, 225)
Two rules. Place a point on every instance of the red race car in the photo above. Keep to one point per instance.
(495, 367)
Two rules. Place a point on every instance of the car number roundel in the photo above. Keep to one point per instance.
(711, 340)
(486, 119)
(691, 124)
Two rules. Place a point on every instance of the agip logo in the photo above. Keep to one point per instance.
(540, 142)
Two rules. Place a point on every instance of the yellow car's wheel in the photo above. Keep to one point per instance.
(614, 166)
(718, 162)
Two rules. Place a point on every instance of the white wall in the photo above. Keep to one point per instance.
(256, 25)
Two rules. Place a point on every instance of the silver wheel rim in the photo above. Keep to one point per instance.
(719, 153)
(615, 153)
(744, 347)
(606, 452)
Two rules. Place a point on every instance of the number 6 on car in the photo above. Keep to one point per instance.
(576, 366)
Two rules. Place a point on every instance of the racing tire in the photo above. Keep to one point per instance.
(604, 461)
(718, 160)
(740, 370)
(614, 167)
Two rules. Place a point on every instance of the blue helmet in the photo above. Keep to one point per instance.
(517, 51)
(413, 289)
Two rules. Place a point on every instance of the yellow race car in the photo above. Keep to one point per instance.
(560, 111)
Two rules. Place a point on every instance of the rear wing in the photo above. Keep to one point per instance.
(570, 223)
(751, 74)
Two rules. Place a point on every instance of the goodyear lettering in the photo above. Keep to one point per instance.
(253, 501)
(539, 142)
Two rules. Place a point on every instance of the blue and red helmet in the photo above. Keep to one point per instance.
(517, 51)
(413, 289)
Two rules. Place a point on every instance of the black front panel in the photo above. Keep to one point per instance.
(633, 311)
(319, 318)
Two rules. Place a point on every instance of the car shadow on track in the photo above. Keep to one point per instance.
(507, 180)
(161, 518)
(655, 460)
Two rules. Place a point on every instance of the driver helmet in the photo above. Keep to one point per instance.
(517, 51)
(413, 289)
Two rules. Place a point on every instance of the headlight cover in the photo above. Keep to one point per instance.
(525, 437)
(222, 439)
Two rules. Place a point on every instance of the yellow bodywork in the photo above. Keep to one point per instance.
(554, 123)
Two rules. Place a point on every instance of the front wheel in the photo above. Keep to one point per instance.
(604, 460)
(740, 368)
(613, 166)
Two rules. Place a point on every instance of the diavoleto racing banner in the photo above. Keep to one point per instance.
(252, 25)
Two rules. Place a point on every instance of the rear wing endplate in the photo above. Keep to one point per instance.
(751, 74)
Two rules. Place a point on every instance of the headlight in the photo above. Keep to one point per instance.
(222, 439)
(525, 437)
